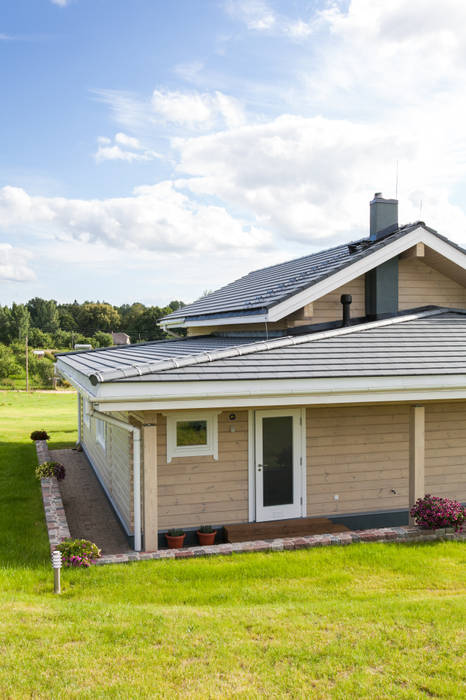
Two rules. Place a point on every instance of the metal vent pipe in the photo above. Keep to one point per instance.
(346, 300)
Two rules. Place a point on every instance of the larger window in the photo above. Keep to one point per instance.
(192, 433)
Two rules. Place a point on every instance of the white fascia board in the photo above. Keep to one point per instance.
(280, 392)
(78, 380)
(419, 235)
(231, 320)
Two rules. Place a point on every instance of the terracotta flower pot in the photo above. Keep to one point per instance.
(175, 542)
(206, 538)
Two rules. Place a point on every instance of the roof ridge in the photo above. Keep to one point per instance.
(250, 348)
(262, 301)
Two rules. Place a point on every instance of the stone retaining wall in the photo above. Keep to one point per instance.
(57, 528)
(394, 534)
(55, 516)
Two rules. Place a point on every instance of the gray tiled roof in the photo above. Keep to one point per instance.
(262, 289)
(140, 354)
(432, 342)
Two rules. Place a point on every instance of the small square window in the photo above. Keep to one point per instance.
(100, 432)
(192, 433)
(86, 416)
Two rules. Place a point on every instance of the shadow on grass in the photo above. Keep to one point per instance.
(24, 538)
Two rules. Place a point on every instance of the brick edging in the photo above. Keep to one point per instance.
(392, 534)
(55, 516)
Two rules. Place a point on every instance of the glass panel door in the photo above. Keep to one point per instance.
(278, 474)
(277, 450)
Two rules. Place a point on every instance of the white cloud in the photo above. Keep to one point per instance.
(14, 264)
(60, 3)
(196, 110)
(256, 14)
(310, 179)
(158, 218)
(127, 148)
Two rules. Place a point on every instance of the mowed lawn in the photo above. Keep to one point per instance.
(364, 621)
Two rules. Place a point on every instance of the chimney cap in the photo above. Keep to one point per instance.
(378, 197)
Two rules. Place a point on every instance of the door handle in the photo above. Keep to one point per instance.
(259, 467)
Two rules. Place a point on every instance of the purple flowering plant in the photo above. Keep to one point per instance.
(48, 469)
(432, 512)
(78, 553)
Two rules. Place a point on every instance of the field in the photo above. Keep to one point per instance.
(365, 621)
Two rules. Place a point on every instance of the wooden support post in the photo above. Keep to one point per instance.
(416, 455)
(150, 525)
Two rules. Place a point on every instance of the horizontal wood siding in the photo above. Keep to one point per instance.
(359, 453)
(113, 464)
(421, 285)
(329, 308)
(200, 490)
(445, 455)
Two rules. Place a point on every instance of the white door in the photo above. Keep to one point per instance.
(279, 481)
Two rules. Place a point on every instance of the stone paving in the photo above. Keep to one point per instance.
(88, 511)
(92, 517)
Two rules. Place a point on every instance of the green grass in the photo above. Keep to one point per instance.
(365, 621)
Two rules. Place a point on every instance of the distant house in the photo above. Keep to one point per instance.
(121, 339)
(39, 353)
(83, 346)
(332, 386)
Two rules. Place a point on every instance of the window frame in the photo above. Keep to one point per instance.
(101, 432)
(209, 449)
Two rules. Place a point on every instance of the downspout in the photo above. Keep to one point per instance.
(79, 419)
(136, 432)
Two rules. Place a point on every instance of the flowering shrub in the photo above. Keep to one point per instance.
(48, 469)
(431, 512)
(78, 552)
(39, 435)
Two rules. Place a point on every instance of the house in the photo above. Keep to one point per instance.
(333, 385)
(120, 339)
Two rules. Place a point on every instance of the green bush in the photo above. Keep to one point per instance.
(39, 339)
(8, 362)
(102, 340)
(78, 552)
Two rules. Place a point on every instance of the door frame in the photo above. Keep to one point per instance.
(299, 446)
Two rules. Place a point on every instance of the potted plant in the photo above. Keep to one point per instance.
(206, 535)
(175, 538)
(40, 435)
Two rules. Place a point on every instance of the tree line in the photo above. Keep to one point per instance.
(48, 324)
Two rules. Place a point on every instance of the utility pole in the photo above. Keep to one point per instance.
(27, 364)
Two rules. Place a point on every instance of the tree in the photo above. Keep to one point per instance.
(93, 317)
(39, 339)
(145, 326)
(20, 321)
(8, 364)
(102, 340)
(44, 314)
(6, 324)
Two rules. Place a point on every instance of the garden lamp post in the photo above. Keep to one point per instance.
(56, 564)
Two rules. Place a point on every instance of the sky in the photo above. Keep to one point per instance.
(151, 150)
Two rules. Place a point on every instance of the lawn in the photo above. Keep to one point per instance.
(365, 621)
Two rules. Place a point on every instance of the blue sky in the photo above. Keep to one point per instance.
(153, 149)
